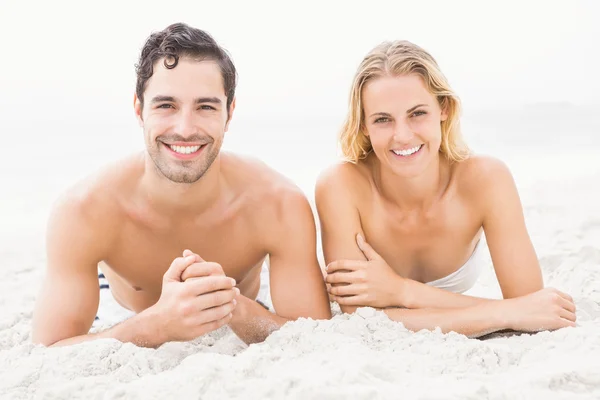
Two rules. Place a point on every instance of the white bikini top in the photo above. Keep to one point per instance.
(464, 278)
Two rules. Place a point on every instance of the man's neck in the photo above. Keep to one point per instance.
(181, 198)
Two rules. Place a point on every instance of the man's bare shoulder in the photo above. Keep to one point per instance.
(268, 194)
(256, 180)
(94, 201)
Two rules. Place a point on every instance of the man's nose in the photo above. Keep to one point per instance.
(185, 124)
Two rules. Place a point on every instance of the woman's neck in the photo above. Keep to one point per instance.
(417, 192)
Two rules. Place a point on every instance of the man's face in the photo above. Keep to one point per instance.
(184, 118)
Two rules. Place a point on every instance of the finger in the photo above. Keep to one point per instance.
(197, 270)
(177, 267)
(216, 299)
(366, 248)
(188, 252)
(214, 325)
(348, 290)
(329, 292)
(348, 265)
(566, 322)
(208, 284)
(567, 304)
(215, 313)
(344, 277)
(565, 296)
(350, 300)
(568, 315)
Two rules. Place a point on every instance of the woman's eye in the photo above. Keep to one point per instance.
(382, 119)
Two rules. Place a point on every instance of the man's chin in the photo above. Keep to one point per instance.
(181, 177)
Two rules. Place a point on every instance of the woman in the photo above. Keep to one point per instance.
(403, 219)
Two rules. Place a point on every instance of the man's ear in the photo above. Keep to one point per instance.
(230, 114)
(137, 107)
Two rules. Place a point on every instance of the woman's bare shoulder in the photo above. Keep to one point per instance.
(345, 177)
(480, 175)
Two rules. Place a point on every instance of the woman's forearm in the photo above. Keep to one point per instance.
(472, 321)
(415, 294)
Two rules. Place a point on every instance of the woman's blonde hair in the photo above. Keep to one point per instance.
(401, 58)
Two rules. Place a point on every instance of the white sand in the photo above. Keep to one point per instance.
(364, 356)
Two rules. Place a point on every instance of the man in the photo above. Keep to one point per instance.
(182, 230)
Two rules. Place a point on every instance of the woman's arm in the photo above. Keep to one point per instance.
(353, 265)
(515, 261)
(340, 224)
(338, 217)
(473, 321)
(489, 185)
(546, 309)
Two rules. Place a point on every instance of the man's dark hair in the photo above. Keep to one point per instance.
(181, 40)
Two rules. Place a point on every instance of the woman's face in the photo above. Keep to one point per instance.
(403, 122)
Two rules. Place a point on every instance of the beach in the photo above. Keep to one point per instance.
(522, 71)
(362, 356)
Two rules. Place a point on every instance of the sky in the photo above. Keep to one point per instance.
(67, 74)
(298, 58)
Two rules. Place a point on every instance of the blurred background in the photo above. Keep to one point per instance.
(526, 72)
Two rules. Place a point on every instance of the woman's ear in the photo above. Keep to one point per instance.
(444, 108)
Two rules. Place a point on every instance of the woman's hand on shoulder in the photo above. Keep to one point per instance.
(369, 283)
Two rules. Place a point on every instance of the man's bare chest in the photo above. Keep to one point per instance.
(142, 255)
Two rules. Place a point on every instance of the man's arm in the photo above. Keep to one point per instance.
(296, 282)
(68, 301)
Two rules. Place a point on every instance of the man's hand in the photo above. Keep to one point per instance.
(200, 268)
(194, 302)
(364, 283)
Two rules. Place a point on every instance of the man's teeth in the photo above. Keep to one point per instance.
(407, 152)
(185, 149)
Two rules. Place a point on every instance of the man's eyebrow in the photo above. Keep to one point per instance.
(160, 98)
(215, 100)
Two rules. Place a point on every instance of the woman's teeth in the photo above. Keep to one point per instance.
(185, 149)
(407, 152)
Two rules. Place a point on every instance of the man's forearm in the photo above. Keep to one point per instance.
(139, 330)
(473, 321)
(419, 295)
(252, 323)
